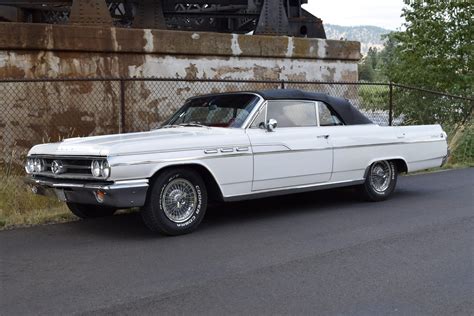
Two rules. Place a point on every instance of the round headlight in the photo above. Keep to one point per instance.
(29, 166)
(38, 165)
(105, 169)
(95, 168)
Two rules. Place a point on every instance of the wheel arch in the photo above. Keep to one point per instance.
(399, 162)
(214, 191)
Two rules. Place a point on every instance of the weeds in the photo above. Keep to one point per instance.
(20, 207)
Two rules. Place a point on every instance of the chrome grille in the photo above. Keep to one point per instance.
(73, 167)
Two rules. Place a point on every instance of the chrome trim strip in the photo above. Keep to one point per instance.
(104, 186)
(241, 149)
(251, 117)
(289, 177)
(147, 162)
(172, 150)
(291, 190)
(428, 159)
(388, 144)
(65, 157)
(257, 113)
(290, 151)
(271, 144)
(227, 150)
(70, 176)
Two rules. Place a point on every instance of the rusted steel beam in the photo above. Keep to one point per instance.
(149, 14)
(273, 19)
(90, 12)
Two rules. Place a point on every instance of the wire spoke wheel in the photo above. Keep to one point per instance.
(179, 200)
(380, 176)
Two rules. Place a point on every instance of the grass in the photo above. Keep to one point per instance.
(20, 207)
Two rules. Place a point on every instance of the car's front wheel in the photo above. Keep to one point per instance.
(90, 211)
(176, 202)
(380, 181)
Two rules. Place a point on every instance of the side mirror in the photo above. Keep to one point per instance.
(271, 125)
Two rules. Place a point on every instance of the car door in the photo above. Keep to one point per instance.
(295, 153)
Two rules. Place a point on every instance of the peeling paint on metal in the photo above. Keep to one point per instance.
(235, 45)
(148, 37)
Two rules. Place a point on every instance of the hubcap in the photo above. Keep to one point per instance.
(179, 200)
(380, 176)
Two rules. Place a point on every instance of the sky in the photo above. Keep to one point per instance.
(382, 13)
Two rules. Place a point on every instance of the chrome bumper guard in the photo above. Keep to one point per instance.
(119, 194)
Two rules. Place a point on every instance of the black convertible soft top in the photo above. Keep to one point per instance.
(348, 113)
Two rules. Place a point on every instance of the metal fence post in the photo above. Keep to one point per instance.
(390, 105)
(283, 84)
(122, 107)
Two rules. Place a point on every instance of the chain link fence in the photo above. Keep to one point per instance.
(38, 111)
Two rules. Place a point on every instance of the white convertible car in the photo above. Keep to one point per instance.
(229, 147)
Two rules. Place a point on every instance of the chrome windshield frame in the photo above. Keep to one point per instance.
(245, 123)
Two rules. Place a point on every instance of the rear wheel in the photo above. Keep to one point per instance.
(90, 211)
(380, 181)
(176, 203)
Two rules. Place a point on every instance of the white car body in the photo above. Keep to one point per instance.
(246, 162)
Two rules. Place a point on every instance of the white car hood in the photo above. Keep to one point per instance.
(122, 144)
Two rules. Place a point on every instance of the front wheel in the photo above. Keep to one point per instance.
(90, 211)
(380, 181)
(176, 202)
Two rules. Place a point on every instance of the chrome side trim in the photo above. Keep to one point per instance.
(227, 150)
(292, 190)
(289, 151)
(147, 162)
(290, 177)
(388, 144)
(428, 159)
(163, 151)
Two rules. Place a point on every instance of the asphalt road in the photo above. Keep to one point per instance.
(317, 253)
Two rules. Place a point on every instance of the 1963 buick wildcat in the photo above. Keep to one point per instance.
(229, 147)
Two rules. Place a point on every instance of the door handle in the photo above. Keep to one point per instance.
(323, 136)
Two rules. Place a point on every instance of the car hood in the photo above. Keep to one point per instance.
(162, 139)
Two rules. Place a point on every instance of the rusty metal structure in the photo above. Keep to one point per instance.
(267, 17)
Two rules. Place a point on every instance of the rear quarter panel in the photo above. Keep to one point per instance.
(356, 147)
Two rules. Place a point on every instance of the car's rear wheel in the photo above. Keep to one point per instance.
(176, 202)
(90, 211)
(380, 181)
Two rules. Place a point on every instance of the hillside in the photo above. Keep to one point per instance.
(367, 35)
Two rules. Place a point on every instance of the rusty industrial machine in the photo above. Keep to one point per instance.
(268, 17)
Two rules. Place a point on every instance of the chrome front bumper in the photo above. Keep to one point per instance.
(119, 194)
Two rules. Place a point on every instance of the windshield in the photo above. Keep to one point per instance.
(226, 110)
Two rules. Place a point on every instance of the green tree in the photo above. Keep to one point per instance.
(436, 49)
(366, 71)
(434, 52)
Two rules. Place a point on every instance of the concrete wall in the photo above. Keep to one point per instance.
(35, 51)
(38, 112)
